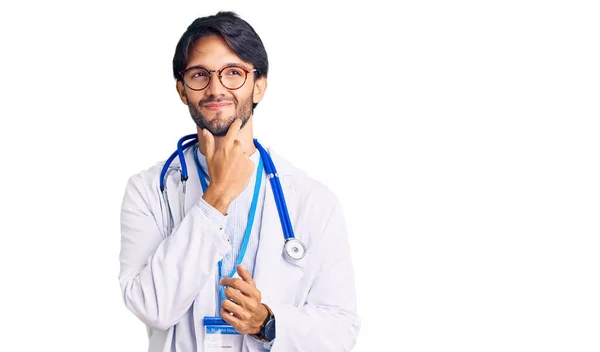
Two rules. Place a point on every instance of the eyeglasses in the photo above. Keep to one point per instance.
(231, 77)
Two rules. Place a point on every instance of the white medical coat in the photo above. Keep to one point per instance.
(168, 281)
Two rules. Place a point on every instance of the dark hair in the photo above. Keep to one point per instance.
(236, 32)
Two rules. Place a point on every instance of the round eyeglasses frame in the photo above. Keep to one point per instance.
(182, 75)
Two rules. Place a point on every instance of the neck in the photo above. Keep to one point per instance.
(246, 138)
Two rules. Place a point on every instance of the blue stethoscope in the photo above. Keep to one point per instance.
(293, 247)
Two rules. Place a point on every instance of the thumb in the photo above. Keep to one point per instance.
(245, 275)
(209, 143)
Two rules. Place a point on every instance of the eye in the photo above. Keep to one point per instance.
(234, 71)
(198, 74)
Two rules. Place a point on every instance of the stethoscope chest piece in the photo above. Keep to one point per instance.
(294, 249)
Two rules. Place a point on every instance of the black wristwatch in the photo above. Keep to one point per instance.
(267, 332)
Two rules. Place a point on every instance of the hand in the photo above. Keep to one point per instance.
(229, 168)
(244, 302)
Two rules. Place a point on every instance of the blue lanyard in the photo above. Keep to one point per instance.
(251, 216)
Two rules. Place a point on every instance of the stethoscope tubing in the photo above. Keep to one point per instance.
(177, 153)
(180, 149)
(192, 139)
(282, 210)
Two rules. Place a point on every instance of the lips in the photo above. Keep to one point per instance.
(216, 106)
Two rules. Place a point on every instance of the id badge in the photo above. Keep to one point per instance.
(220, 336)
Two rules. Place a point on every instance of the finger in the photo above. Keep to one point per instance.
(233, 131)
(245, 275)
(237, 297)
(231, 319)
(238, 311)
(209, 143)
(238, 284)
(237, 143)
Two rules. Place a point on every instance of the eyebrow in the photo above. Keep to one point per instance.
(230, 64)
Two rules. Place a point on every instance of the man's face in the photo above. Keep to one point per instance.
(216, 107)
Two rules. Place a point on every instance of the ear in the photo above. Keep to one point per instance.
(181, 91)
(260, 85)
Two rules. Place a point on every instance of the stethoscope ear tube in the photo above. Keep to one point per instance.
(163, 173)
(177, 153)
(180, 149)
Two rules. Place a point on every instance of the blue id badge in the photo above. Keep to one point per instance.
(220, 336)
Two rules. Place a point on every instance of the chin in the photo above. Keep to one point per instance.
(220, 126)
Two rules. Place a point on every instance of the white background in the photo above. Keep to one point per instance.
(461, 137)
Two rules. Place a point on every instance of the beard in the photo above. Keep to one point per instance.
(219, 124)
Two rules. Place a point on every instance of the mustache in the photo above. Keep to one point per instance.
(213, 99)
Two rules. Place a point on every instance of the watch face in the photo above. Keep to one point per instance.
(270, 329)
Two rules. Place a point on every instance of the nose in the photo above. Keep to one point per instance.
(215, 87)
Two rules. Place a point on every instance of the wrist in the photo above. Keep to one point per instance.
(263, 314)
(266, 332)
(217, 199)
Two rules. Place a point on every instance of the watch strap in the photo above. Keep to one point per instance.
(261, 335)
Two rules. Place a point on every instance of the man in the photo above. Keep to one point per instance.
(208, 271)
